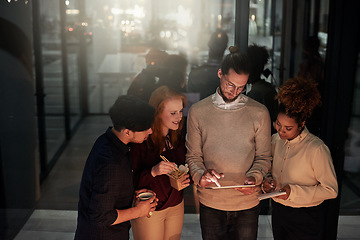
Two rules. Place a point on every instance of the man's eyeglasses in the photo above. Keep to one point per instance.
(232, 87)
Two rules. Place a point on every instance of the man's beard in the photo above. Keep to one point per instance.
(225, 98)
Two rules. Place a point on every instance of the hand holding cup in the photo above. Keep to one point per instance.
(146, 201)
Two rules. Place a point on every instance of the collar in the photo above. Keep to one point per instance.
(115, 140)
(299, 138)
(219, 102)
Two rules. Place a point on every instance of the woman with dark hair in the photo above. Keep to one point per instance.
(168, 140)
(302, 166)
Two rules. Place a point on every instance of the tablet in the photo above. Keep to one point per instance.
(234, 186)
(270, 195)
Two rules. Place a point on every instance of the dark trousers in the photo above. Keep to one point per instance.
(229, 225)
(305, 223)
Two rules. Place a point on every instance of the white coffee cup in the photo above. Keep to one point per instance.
(145, 196)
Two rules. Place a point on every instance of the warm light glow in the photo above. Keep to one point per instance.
(72, 11)
(67, 2)
(219, 21)
(253, 17)
(129, 11)
(117, 11)
(139, 12)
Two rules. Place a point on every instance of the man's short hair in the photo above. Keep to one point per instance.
(129, 112)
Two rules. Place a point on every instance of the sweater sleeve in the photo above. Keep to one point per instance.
(262, 159)
(194, 155)
(324, 173)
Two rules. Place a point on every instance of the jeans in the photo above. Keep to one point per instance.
(229, 225)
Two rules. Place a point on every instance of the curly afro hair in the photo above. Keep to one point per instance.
(298, 97)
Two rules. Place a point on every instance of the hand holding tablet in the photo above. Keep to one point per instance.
(233, 186)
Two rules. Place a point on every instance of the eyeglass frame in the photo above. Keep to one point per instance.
(231, 86)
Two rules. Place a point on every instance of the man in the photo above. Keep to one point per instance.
(145, 82)
(228, 143)
(203, 79)
(106, 190)
(262, 91)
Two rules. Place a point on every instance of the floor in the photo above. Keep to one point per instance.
(55, 214)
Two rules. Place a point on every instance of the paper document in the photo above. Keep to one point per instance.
(270, 195)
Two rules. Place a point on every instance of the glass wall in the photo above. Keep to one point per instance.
(61, 86)
(19, 186)
(350, 196)
(271, 24)
(265, 29)
(74, 32)
(53, 76)
(124, 31)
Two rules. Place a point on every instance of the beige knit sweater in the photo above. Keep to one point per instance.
(234, 142)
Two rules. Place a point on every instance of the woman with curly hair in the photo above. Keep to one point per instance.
(302, 166)
(168, 140)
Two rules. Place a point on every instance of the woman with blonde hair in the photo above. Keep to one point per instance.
(302, 166)
(168, 140)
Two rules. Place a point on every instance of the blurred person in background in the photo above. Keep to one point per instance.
(204, 79)
(144, 83)
(313, 67)
(261, 90)
(173, 72)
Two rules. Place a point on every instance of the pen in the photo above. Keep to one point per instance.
(216, 182)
